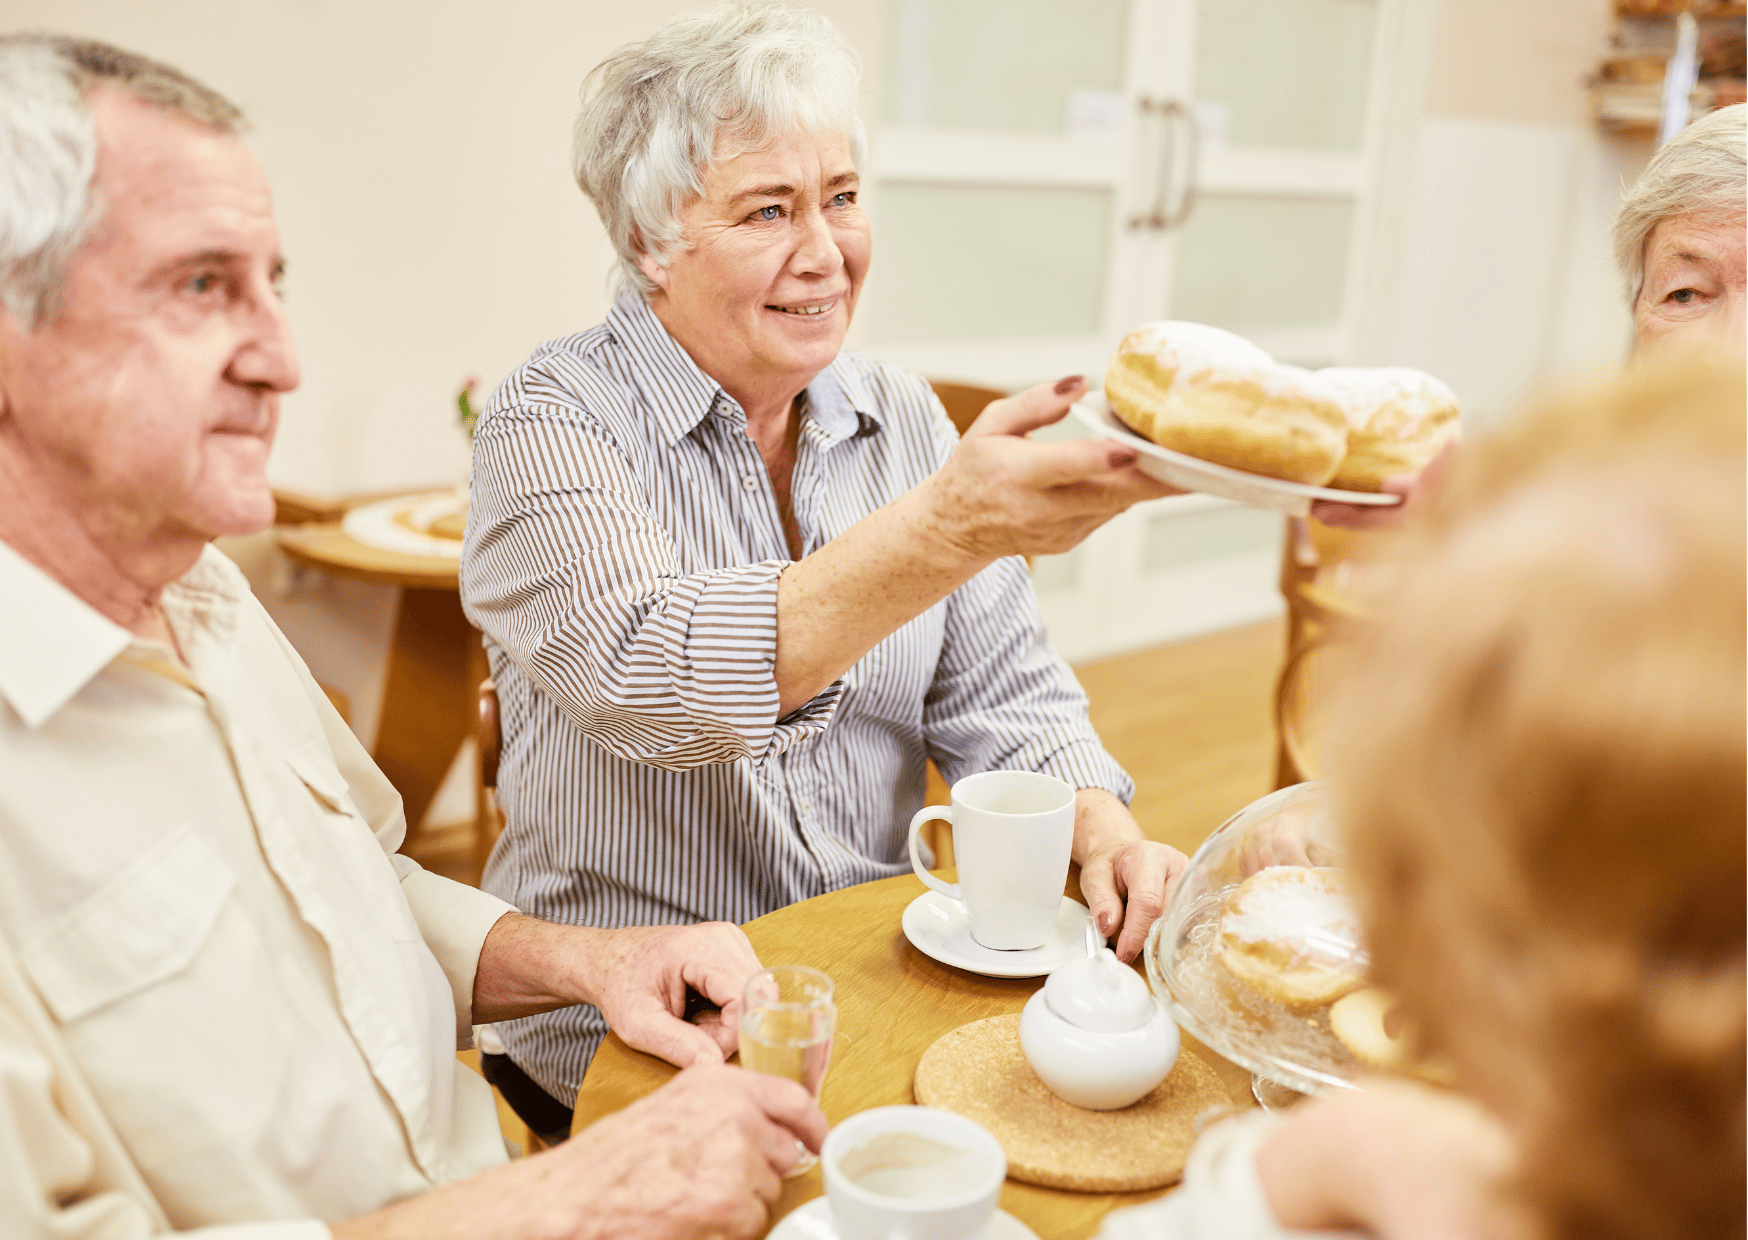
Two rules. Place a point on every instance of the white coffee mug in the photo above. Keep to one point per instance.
(911, 1173)
(1013, 833)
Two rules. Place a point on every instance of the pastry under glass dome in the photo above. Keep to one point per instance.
(1287, 1046)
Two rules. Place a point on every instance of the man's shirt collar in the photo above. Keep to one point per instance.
(52, 642)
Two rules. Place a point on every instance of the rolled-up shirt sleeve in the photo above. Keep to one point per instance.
(1002, 698)
(568, 570)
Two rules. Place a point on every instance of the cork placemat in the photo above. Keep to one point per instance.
(979, 1071)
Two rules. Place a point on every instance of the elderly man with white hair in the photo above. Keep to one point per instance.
(226, 1007)
(738, 584)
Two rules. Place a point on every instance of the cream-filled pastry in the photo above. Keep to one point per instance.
(1210, 394)
(1398, 419)
(1290, 933)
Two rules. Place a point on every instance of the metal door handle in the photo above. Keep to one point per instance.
(1174, 117)
(1179, 117)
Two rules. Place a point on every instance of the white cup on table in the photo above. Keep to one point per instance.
(1013, 835)
(911, 1173)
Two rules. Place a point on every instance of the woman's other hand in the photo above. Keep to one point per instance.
(1125, 877)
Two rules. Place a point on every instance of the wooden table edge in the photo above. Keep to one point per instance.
(1055, 1214)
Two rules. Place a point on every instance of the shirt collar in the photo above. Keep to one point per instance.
(839, 402)
(677, 393)
(52, 642)
(680, 395)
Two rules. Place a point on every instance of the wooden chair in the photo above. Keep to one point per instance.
(488, 737)
(963, 401)
(1323, 625)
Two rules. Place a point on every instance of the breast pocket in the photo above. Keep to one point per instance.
(157, 981)
(143, 926)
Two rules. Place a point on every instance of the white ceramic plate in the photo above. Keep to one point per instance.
(380, 524)
(941, 928)
(813, 1221)
(1194, 474)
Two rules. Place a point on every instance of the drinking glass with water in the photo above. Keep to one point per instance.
(786, 1025)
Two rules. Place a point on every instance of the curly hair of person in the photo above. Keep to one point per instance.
(1540, 769)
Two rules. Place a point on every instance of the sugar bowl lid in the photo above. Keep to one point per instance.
(1099, 994)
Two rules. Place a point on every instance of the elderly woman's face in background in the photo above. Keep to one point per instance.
(773, 257)
(1693, 288)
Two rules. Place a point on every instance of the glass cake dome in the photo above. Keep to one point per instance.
(1287, 1041)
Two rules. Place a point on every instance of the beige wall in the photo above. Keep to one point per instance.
(1509, 60)
(419, 155)
(419, 158)
(1504, 281)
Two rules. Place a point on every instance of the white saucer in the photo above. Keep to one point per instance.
(1194, 474)
(941, 928)
(813, 1221)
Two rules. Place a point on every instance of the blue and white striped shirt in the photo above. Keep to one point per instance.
(622, 558)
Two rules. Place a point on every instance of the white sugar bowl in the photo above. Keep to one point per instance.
(1095, 1035)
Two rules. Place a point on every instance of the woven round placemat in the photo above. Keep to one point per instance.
(979, 1071)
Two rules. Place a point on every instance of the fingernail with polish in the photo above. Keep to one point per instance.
(1065, 386)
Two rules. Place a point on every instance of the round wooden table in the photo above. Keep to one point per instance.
(893, 1003)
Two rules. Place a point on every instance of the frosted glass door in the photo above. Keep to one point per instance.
(1019, 168)
(1283, 89)
(1003, 66)
(998, 179)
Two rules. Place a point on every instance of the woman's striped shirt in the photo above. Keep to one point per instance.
(622, 559)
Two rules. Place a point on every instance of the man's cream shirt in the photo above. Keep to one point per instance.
(224, 998)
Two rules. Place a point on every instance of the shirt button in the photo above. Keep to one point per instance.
(750, 482)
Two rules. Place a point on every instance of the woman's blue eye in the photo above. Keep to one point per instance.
(203, 283)
(843, 200)
(768, 213)
(1683, 296)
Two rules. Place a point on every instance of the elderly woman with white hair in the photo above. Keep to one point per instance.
(738, 584)
(1679, 236)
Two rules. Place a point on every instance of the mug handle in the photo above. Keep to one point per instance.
(928, 812)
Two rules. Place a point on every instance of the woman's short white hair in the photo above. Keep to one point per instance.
(48, 151)
(653, 112)
(1700, 171)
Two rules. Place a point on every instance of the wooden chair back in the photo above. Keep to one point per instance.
(488, 739)
(963, 401)
(1322, 625)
